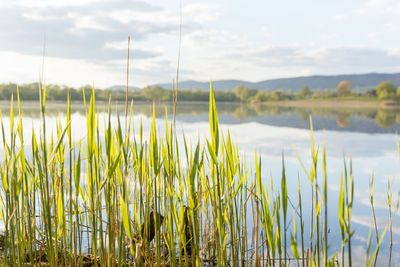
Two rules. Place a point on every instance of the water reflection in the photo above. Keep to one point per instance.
(343, 120)
(369, 120)
(385, 118)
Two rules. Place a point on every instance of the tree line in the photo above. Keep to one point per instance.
(29, 92)
(386, 90)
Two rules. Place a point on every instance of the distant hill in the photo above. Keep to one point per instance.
(360, 82)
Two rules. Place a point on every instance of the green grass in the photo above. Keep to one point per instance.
(119, 198)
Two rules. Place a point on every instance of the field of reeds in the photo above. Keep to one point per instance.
(119, 198)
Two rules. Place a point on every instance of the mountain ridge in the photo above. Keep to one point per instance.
(360, 82)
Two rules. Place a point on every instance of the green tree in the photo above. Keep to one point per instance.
(261, 96)
(305, 92)
(386, 90)
(156, 93)
(244, 93)
(276, 95)
(241, 92)
(344, 88)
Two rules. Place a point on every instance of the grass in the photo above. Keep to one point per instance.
(118, 198)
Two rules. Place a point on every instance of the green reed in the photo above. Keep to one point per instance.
(118, 198)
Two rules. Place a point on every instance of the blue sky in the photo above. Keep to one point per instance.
(251, 40)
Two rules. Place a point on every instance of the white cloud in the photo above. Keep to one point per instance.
(395, 28)
(340, 17)
(373, 36)
(52, 3)
(24, 69)
(377, 3)
(95, 34)
(117, 45)
(367, 221)
(377, 8)
(82, 22)
(330, 36)
(214, 41)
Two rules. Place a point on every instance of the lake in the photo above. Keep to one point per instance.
(368, 136)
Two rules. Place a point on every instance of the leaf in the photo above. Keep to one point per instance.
(125, 217)
(212, 153)
(284, 188)
(60, 210)
(318, 208)
(294, 247)
(54, 153)
(377, 247)
(213, 121)
(341, 208)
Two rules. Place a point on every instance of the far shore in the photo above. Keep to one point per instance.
(332, 104)
(311, 103)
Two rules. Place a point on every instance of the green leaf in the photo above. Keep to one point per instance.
(125, 217)
(294, 247)
(60, 210)
(377, 247)
(318, 208)
(284, 188)
(341, 208)
(54, 153)
(212, 153)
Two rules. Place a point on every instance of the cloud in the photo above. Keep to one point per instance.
(373, 36)
(393, 28)
(380, 3)
(83, 29)
(340, 17)
(367, 221)
(240, 59)
(377, 8)
(75, 72)
(72, 35)
(95, 32)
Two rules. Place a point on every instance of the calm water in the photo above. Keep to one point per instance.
(367, 135)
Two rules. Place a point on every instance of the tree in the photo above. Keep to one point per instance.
(261, 96)
(305, 92)
(276, 95)
(344, 88)
(156, 93)
(398, 91)
(244, 93)
(386, 90)
(241, 92)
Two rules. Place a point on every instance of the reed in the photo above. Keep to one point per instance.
(118, 198)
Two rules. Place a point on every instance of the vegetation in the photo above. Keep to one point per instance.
(28, 92)
(384, 91)
(344, 88)
(244, 93)
(305, 92)
(121, 197)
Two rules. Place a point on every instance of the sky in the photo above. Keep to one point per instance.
(85, 41)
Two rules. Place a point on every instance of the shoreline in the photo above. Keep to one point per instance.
(331, 104)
